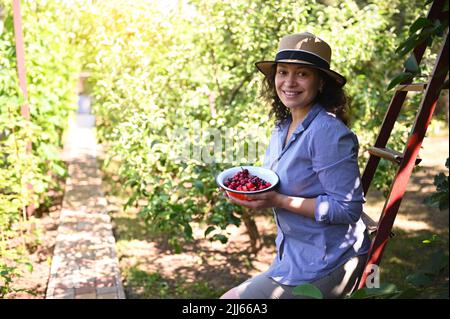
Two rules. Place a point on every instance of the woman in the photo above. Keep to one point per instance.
(321, 238)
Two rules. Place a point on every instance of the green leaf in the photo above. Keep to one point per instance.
(199, 185)
(420, 23)
(29, 267)
(408, 293)
(439, 28)
(307, 290)
(131, 200)
(187, 231)
(443, 203)
(359, 294)
(419, 280)
(209, 229)
(178, 208)
(132, 182)
(9, 23)
(407, 45)
(222, 238)
(400, 78)
(59, 170)
(411, 64)
(384, 291)
(154, 142)
(164, 198)
(175, 244)
(415, 40)
(437, 261)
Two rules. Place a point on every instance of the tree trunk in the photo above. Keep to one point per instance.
(252, 230)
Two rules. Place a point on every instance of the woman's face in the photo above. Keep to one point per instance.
(297, 85)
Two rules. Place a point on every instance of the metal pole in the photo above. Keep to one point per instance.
(21, 71)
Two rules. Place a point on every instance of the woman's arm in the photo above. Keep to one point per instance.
(298, 205)
(334, 154)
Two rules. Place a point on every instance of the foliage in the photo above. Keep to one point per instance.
(425, 282)
(155, 286)
(440, 197)
(9, 272)
(422, 30)
(307, 290)
(51, 69)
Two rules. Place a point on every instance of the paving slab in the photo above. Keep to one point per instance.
(84, 264)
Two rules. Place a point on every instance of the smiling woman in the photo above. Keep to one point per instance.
(321, 238)
(288, 77)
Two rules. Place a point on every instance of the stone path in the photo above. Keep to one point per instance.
(84, 264)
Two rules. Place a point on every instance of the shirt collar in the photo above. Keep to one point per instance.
(316, 109)
(308, 119)
(282, 128)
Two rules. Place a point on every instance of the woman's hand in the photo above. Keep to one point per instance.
(259, 201)
(272, 199)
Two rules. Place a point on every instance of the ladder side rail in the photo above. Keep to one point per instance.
(398, 187)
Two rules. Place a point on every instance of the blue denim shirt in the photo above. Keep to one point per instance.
(319, 161)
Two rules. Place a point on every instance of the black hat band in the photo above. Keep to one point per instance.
(302, 55)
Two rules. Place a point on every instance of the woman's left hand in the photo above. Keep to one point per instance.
(259, 201)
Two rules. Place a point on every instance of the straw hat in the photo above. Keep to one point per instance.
(305, 49)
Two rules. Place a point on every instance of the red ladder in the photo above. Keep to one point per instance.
(408, 158)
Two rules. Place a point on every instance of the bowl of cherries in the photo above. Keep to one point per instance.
(242, 180)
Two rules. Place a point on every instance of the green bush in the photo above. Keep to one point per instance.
(52, 69)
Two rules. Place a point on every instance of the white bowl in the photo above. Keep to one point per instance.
(263, 173)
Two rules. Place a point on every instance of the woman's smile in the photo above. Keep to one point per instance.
(296, 85)
(291, 94)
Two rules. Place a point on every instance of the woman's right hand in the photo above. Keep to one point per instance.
(271, 199)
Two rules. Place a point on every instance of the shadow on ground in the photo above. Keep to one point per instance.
(204, 269)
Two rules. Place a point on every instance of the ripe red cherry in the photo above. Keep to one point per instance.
(244, 181)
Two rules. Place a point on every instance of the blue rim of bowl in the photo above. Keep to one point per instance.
(249, 192)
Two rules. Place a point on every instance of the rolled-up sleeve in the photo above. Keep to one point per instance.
(335, 160)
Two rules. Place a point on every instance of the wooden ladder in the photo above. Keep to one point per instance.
(407, 159)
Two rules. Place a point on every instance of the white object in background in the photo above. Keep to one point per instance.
(84, 104)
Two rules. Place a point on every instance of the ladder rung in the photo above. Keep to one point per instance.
(412, 87)
(371, 225)
(390, 155)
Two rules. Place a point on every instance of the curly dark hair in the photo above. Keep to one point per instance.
(333, 98)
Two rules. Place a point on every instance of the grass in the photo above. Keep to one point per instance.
(139, 246)
(153, 285)
(406, 254)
